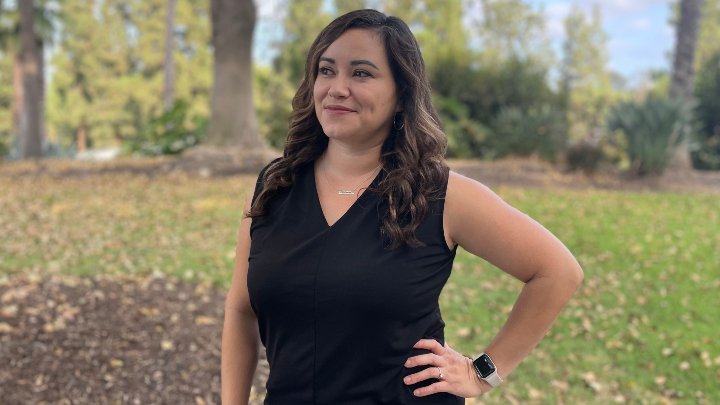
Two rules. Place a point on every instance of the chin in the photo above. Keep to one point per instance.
(336, 131)
(337, 134)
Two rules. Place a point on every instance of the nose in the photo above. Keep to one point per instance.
(339, 87)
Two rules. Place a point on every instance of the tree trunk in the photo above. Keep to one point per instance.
(81, 141)
(41, 58)
(17, 100)
(30, 146)
(232, 117)
(683, 73)
(168, 65)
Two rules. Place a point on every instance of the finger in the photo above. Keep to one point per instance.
(430, 344)
(441, 386)
(430, 372)
(429, 358)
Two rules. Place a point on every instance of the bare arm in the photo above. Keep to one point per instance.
(240, 339)
(486, 226)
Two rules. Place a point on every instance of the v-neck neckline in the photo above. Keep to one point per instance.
(349, 210)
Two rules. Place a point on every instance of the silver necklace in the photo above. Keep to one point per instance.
(347, 191)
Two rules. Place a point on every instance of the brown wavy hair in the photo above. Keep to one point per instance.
(412, 157)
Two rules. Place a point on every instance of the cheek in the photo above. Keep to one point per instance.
(318, 93)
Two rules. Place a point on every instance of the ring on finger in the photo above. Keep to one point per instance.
(441, 373)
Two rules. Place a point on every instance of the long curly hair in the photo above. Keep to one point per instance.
(412, 157)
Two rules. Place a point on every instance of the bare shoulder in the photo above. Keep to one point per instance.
(461, 199)
(485, 225)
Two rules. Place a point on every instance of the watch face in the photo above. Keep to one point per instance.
(484, 365)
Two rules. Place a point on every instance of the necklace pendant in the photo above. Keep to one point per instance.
(346, 191)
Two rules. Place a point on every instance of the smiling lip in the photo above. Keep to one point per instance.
(338, 109)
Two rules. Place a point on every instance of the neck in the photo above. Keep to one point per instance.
(345, 163)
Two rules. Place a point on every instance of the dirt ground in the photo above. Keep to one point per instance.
(515, 172)
(152, 340)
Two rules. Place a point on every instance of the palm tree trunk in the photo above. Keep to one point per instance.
(682, 84)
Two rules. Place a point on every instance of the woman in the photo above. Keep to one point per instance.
(349, 238)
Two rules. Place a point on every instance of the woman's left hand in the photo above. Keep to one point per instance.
(459, 377)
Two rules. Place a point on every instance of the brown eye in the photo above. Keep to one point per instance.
(363, 72)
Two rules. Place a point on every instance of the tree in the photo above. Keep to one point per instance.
(681, 85)
(90, 90)
(232, 121)
(438, 28)
(43, 28)
(110, 94)
(30, 138)
(708, 36)
(304, 21)
(511, 29)
(585, 83)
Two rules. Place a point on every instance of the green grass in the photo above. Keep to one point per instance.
(648, 306)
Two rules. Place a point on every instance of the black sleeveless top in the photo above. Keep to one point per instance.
(338, 314)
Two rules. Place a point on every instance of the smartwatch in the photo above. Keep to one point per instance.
(485, 369)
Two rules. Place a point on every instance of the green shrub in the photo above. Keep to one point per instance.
(5, 142)
(653, 128)
(168, 133)
(584, 155)
(486, 89)
(273, 104)
(588, 154)
(465, 136)
(707, 111)
(518, 132)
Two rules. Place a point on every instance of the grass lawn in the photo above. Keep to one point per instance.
(642, 329)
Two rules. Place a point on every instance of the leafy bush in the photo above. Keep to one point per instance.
(487, 89)
(540, 130)
(273, 104)
(584, 155)
(707, 111)
(465, 136)
(653, 128)
(5, 142)
(168, 134)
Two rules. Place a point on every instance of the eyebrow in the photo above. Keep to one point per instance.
(352, 62)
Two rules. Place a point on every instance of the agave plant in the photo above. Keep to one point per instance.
(653, 128)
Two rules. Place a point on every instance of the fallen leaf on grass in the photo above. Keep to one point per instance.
(205, 320)
(561, 385)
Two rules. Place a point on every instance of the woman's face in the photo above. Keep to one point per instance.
(354, 73)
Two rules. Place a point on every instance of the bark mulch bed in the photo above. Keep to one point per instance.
(112, 340)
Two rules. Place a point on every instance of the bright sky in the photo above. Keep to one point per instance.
(640, 37)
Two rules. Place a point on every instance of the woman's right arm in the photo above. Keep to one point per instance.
(240, 338)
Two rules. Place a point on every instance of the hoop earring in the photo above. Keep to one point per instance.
(395, 123)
